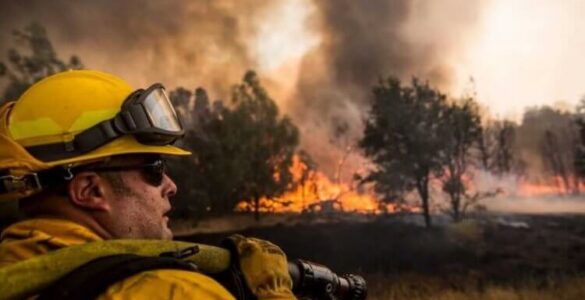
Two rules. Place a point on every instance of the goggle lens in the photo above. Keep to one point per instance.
(161, 112)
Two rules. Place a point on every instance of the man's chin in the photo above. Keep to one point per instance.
(167, 233)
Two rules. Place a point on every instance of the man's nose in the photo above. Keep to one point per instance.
(169, 186)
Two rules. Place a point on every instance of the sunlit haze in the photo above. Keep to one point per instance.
(522, 53)
(283, 34)
(527, 53)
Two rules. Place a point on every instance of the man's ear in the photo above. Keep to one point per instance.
(88, 190)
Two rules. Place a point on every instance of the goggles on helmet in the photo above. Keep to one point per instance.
(148, 115)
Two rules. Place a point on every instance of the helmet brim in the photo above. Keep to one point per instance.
(121, 146)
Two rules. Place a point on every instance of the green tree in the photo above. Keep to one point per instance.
(205, 179)
(241, 153)
(496, 146)
(463, 128)
(265, 142)
(580, 152)
(34, 59)
(579, 163)
(404, 136)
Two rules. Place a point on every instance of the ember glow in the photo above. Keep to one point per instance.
(535, 190)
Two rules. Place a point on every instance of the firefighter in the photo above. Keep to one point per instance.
(83, 153)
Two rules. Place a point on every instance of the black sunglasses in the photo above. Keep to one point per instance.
(153, 172)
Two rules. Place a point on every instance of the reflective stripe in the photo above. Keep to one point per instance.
(34, 128)
(47, 131)
(90, 118)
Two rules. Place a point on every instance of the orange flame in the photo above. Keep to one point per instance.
(313, 191)
(555, 187)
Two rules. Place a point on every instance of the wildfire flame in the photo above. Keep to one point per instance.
(522, 187)
(313, 191)
(555, 187)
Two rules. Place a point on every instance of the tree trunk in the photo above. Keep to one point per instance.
(456, 206)
(423, 191)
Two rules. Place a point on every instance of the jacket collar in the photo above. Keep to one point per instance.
(34, 237)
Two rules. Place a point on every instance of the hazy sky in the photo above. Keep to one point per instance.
(520, 52)
(525, 53)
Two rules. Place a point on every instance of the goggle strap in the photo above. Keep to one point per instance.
(84, 142)
(96, 136)
(126, 118)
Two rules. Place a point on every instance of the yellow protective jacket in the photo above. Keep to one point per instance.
(38, 236)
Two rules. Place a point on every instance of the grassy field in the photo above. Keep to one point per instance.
(417, 287)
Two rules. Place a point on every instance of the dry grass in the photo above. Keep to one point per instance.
(418, 287)
(467, 231)
(487, 258)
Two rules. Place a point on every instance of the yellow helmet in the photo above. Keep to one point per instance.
(78, 116)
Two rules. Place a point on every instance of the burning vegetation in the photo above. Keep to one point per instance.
(314, 192)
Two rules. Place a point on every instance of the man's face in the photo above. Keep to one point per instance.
(139, 208)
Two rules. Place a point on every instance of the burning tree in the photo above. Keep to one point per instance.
(405, 138)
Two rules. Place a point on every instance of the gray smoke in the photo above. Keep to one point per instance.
(175, 42)
(207, 43)
(365, 41)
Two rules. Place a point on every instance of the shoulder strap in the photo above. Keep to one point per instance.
(26, 278)
(93, 278)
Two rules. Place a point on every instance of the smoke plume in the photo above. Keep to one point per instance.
(365, 41)
(211, 43)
